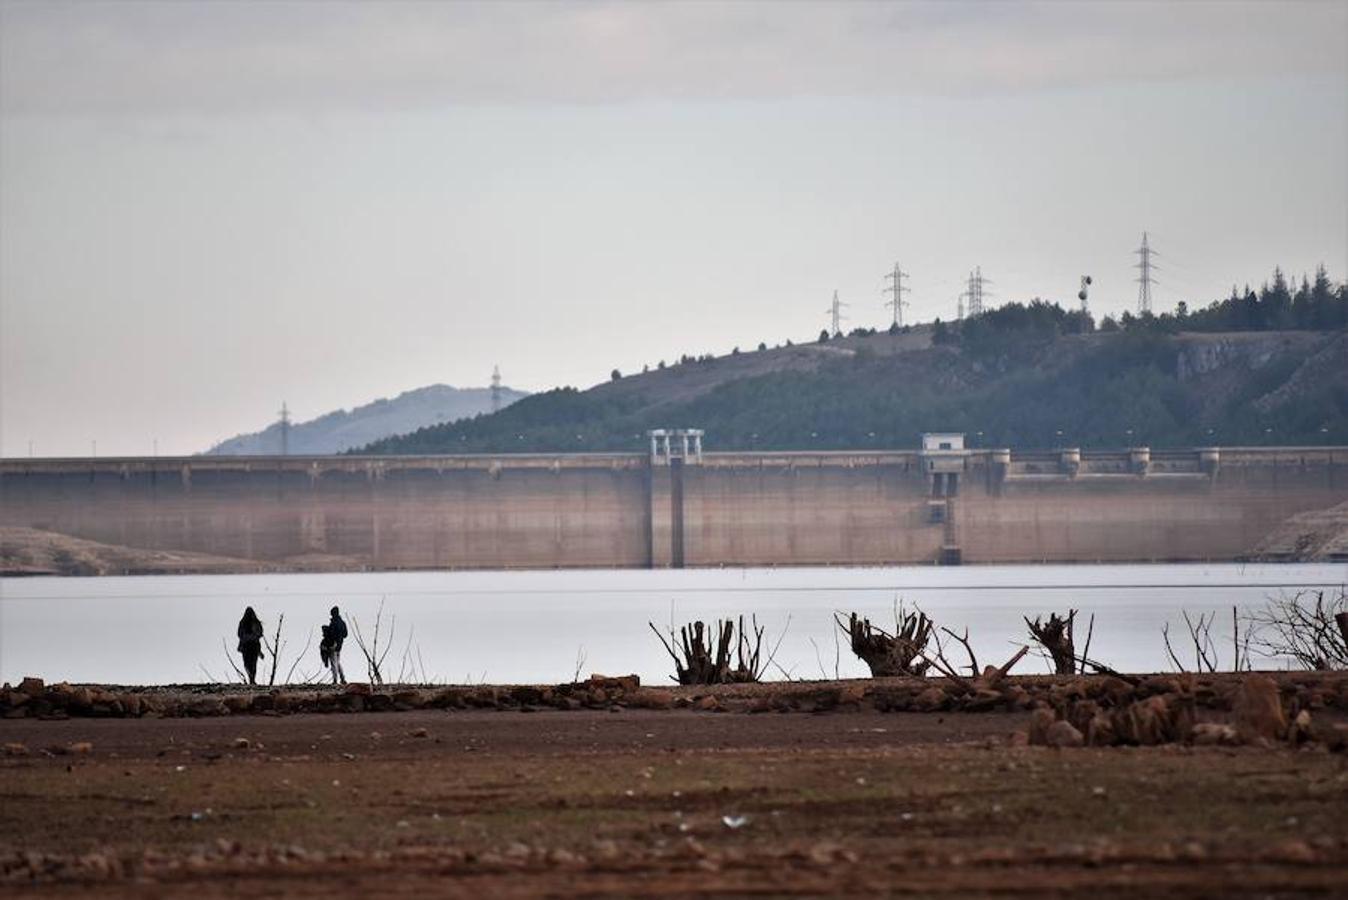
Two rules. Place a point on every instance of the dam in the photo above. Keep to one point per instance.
(675, 507)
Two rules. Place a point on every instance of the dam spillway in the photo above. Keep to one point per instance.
(633, 510)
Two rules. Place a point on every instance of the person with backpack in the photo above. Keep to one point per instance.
(250, 642)
(330, 648)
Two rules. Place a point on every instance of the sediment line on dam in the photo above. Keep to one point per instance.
(636, 511)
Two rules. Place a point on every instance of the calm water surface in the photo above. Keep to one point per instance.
(533, 626)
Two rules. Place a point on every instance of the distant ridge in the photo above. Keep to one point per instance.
(342, 430)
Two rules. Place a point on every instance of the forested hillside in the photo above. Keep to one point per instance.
(1259, 368)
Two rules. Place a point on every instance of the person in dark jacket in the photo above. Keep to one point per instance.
(250, 642)
(330, 650)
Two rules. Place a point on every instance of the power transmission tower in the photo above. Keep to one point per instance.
(974, 294)
(959, 308)
(898, 290)
(835, 312)
(496, 389)
(1144, 280)
(285, 429)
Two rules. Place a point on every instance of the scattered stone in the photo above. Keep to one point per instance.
(16, 749)
(419, 733)
(1299, 732)
(1209, 734)
(242, 743)
(1040, 721)
(1063, 734)
(1258, 710)
(1100, 731)
(624, 683)
(931, 700)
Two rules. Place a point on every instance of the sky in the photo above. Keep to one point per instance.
(211, 208)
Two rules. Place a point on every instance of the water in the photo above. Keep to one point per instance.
(533, 626)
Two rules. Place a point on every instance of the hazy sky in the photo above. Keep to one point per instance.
(209, 208)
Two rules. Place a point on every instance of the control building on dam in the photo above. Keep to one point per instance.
(676, 506)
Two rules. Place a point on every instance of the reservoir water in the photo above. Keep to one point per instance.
(542, 627)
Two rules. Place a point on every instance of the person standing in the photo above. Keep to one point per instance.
(335, 634)
(250, 642)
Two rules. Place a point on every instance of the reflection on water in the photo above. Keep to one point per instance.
(532, 626)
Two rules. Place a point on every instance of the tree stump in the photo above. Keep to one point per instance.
(891, 654)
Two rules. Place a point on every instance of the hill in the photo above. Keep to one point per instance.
(342, 430)
(1256, 368)
(1098, 389)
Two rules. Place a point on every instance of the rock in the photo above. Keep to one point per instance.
(1081, 713)
(852, 694)
(1100, 731)
(931, 700)
(408, 699)
(708, 703)
(32, 686)
(419, 733)
(649, 698)
(207, 707)
(624, 683)
(1295, 850)
(526, 695)
(1115, 691)
(80, 748)
(1063, 734)
(1209, 734)
(1299, 732)
(15, 749)
(1155, 720)
(1018, 739)
(242, 743)
(1258, 710)
(1041, 720)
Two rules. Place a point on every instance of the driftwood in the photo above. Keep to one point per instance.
(1056, 637)
(983, 679)
(901, 653)
(703, 657)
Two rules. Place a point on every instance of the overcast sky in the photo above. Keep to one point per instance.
(209, 208)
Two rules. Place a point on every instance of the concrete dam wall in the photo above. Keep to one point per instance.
(637, 511)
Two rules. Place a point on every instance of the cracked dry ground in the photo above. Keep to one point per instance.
(632, 803)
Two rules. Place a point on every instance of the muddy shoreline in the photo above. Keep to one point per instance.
(846, 789)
